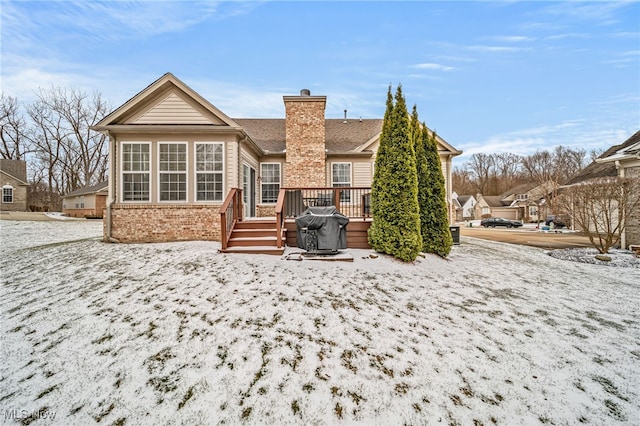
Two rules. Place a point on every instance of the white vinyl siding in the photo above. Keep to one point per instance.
(172, 170)
(270, 180)
(136, 161)
(174, 110)
(209, 171)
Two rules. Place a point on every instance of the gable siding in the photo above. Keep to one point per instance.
(175, 110)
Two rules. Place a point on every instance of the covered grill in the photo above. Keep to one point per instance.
(322, 230)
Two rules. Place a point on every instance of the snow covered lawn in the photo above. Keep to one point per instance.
(178, 334)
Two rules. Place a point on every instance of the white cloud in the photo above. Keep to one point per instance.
(432, 66)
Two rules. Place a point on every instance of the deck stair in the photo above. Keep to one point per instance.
(254, 237)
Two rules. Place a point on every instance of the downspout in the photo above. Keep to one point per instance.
(112, 190)
(623, 234)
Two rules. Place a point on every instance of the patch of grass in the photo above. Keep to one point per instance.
(102, 339)
(338, 410)
(295, 407)
(246, 413)
(47, 391)
(120, 422)
(609, 387)
(401, 388)
(604, 322)
(355, 397)
(346, 358)
(187, 396)
(157, 361)
(308, 387)
(104, 413)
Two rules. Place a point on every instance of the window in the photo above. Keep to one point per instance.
(135, 171)
(522, 197)
(209, 171)
(340, 178)
(79, 203)
(269, 182)
(7, 194)
(173, 171)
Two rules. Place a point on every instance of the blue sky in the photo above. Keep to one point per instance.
(488, 76)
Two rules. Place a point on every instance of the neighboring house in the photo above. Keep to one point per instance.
(89, 201)
(175, 158)
(467, 207)
(525, 202)
(618, 161)
(13, 179)
(457, 207)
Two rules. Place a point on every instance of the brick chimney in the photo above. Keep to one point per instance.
(305, 140)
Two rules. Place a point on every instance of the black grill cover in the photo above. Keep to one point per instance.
(327, 223)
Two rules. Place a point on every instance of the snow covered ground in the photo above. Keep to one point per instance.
(179, 334)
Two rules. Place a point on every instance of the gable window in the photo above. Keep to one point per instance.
(173, 171)
(135, 171)
(209, 171)
(340, 178)
(7, 194)
(522, 197)
(269, 182)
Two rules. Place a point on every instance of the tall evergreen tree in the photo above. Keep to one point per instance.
(424, 184)
(394, 194)
(436, 235)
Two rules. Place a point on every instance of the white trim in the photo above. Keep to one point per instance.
(12, 194)
(223, 172)
(350, 179)
(122, 172)
(185, 172)
(279, 181)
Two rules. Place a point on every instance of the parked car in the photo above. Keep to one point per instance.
(557, 223)
(500, 221)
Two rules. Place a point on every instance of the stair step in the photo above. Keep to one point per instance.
(256, 224)
(255, 250)
(252, 242)
(253, 233)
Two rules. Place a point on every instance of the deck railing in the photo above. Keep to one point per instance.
(353, 202)
(230, 213)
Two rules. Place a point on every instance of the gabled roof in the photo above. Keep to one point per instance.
(100, 187)
(493, 200)
(629, 150)
(16, 169)
(520, 189)
(600, 168)
(462, 199)
(164, 93)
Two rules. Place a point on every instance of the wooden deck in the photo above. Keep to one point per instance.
(272, 235)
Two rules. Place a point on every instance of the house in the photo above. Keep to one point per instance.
(525, 202)
(13, 178)
(467, 205)
(182, 169)
(618, 161)
(89, 201)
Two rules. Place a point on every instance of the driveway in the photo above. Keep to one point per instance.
(529, 236)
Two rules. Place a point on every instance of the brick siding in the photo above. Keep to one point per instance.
(138, 223)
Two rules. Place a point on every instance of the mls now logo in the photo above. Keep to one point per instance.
(17, 415)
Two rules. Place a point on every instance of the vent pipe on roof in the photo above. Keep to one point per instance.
(345, 116)
(305, 92)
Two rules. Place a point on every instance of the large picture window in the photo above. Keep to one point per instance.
(340, 178)
(209, 171)
(135, 171)
(269, 182)
(173, 171)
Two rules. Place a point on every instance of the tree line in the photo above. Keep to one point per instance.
(52, 134)
(493, 174)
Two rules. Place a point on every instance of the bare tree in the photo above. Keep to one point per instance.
(482, 168)
(602, 207)
(462, 181)
(13, 127)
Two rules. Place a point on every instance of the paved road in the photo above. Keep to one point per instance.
(528, 236)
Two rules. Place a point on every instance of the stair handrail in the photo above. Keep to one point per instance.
(230, 213)
(280, 217)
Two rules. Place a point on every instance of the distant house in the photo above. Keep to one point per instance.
(13, 179)
(467, 204)
(618, 161)
(526, 202)
(181, 169)
(89, 201)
